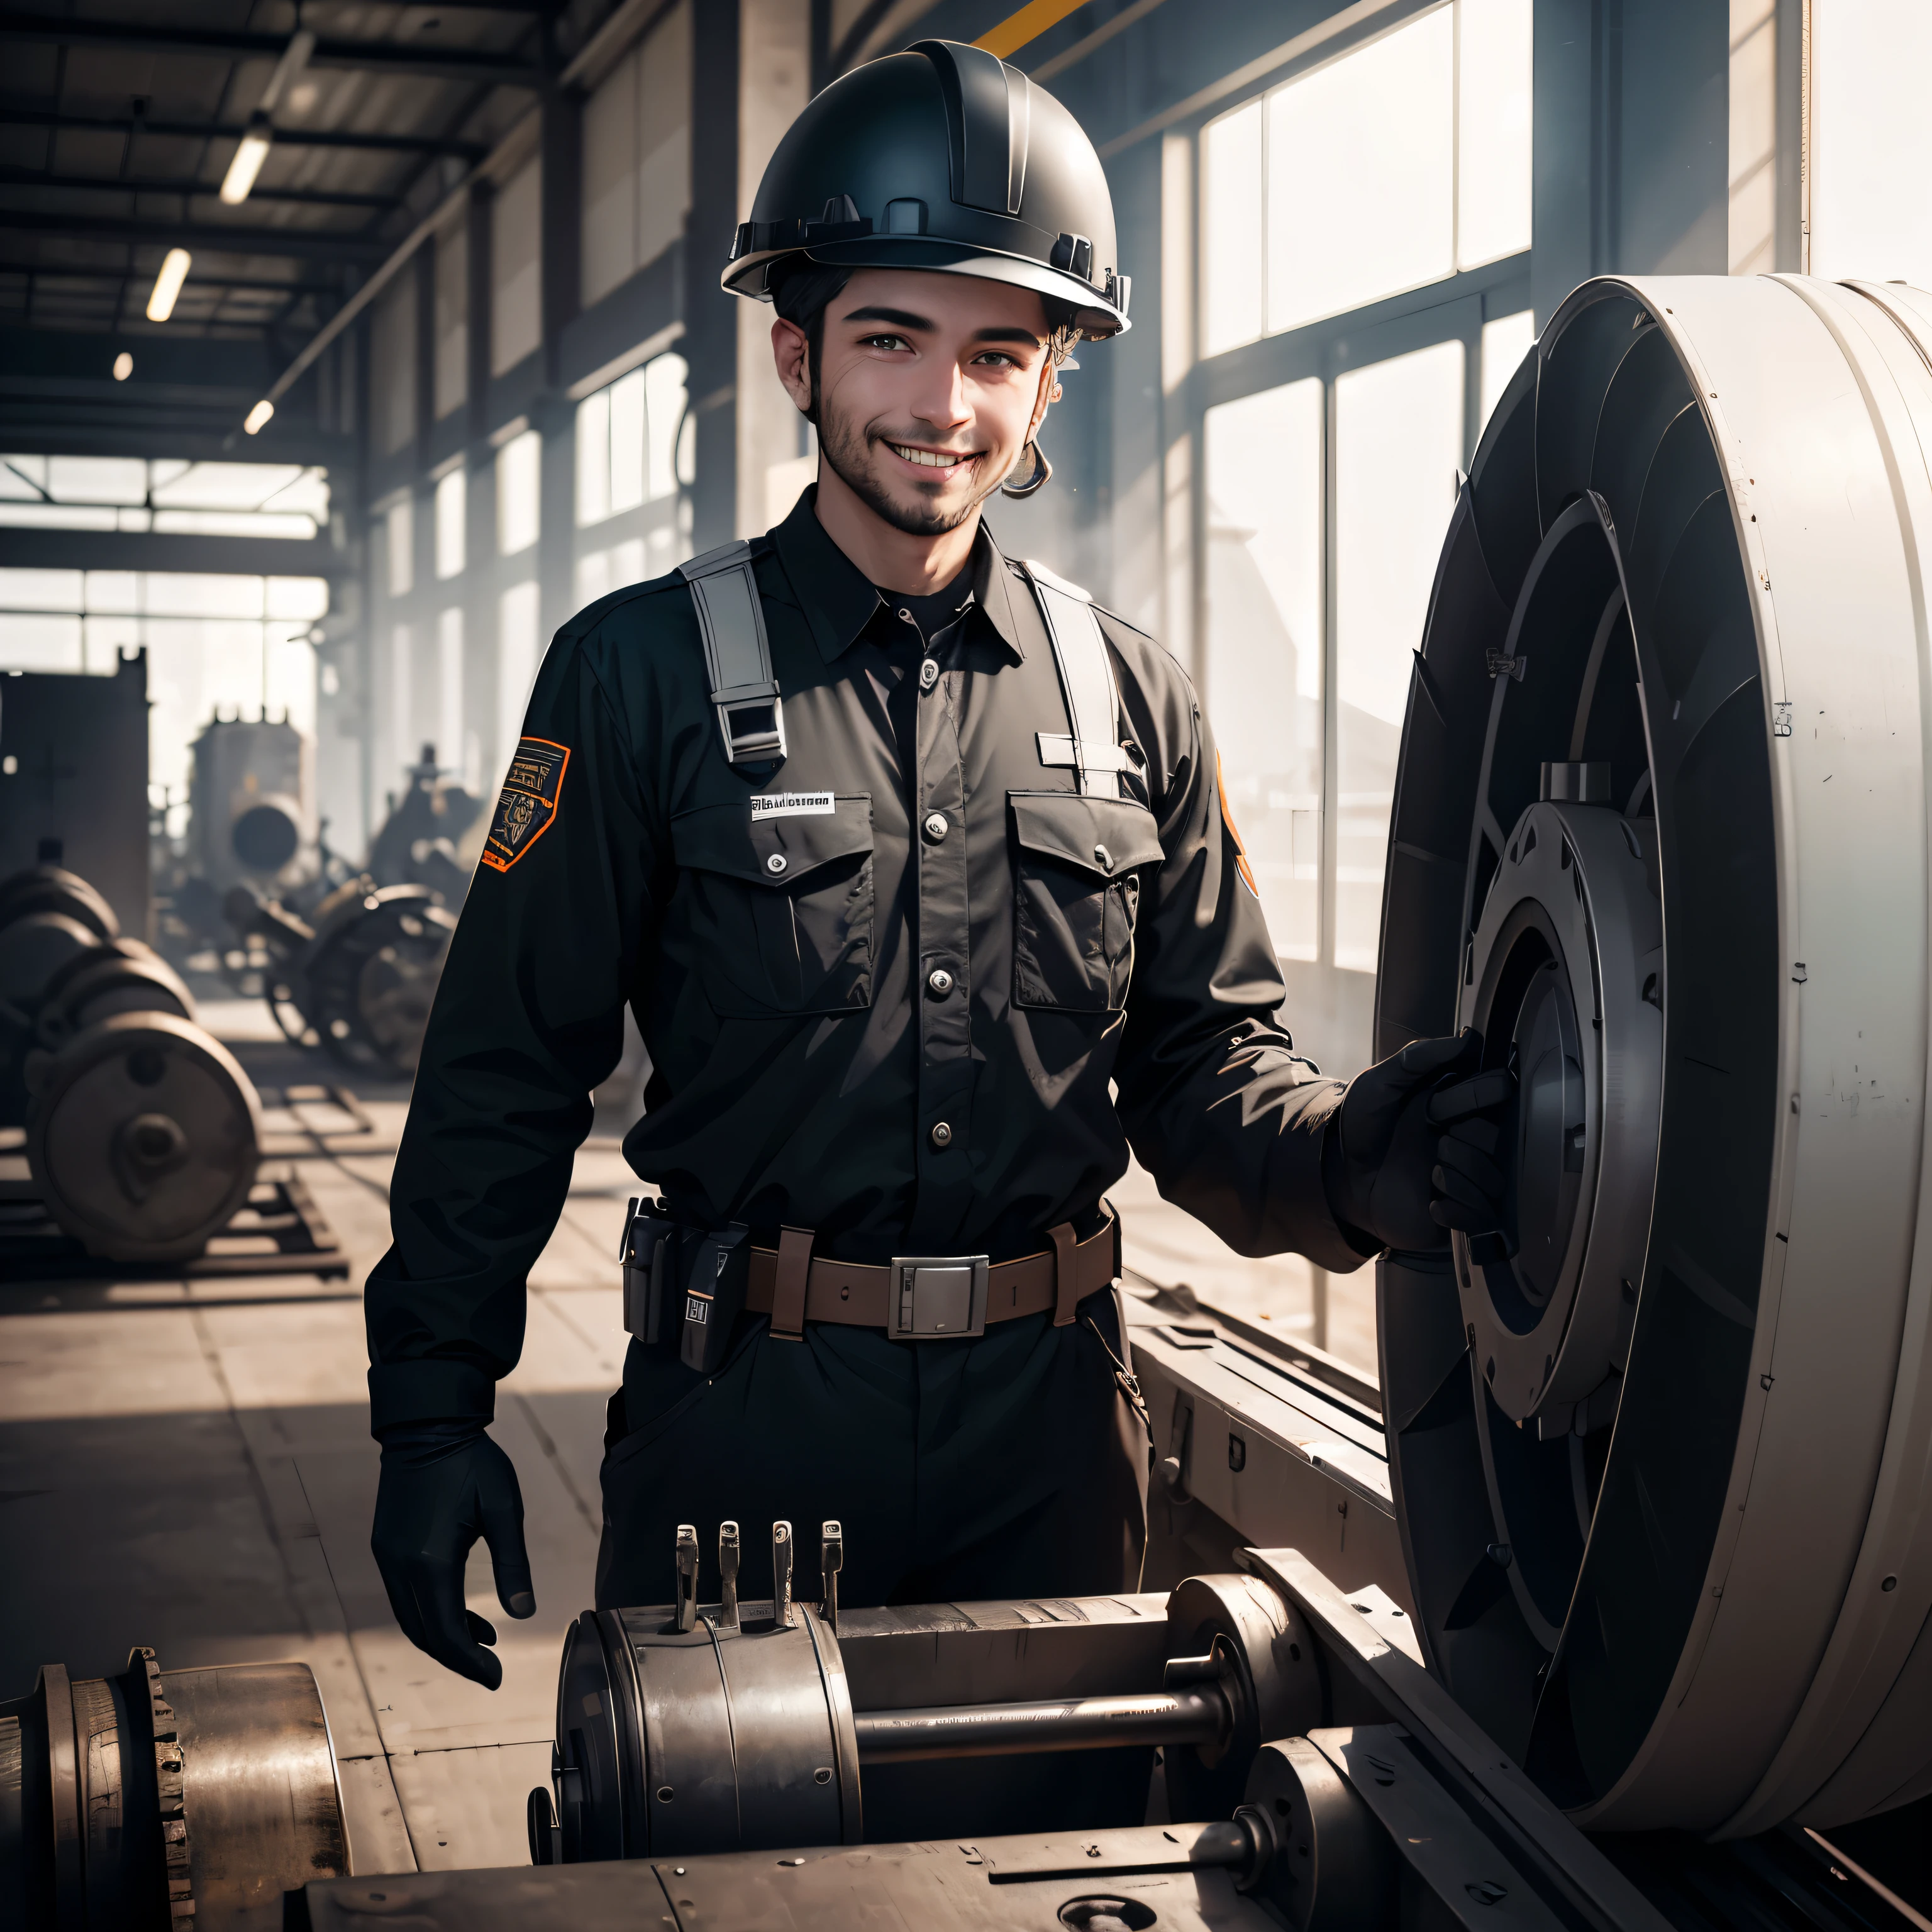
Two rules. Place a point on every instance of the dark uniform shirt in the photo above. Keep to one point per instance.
(890, 990)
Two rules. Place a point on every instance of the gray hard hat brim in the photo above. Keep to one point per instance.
(1097, 319)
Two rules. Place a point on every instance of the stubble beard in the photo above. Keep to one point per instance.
(846, 448)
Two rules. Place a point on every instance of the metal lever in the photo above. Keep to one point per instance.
(831, 1560)
(687, 1577)
(781, 1555)
(727, 1564)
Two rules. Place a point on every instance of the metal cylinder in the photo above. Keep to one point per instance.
(1078, 1723)
(722, 1738)
(150, 1798)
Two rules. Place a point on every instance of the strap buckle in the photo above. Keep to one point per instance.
(752, 721)
(937, 1297)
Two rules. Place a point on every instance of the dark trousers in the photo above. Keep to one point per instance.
(1010, 1466)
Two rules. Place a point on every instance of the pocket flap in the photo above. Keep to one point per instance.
(726, 838)
(1109, 836)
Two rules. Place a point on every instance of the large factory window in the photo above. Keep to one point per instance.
(519, 492)
(452, 512)
(1264, 658)
(518, 643)
(1506, 341)
(238, 642)
(636, 157)
(399, 533)
(1871, 142)
(1358, 233)
(1388, 168)
(456, 745)
(171, 495)
(635, 444)
(1398, 441)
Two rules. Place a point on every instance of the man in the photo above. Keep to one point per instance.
(892, 912)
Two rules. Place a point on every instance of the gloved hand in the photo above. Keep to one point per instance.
(443, 1485)
(1391, 1170)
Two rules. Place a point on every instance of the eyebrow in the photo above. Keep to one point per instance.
(900, 318)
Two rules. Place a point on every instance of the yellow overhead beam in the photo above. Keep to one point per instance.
(1028, 24)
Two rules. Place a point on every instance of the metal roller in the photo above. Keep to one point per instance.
(1660, 832)
(154, 1799)
(49, 918)
(117, 976)
(693, 1729)
(144, 1136)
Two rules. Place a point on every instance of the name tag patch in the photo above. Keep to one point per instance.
(527, 807)
(791, 804)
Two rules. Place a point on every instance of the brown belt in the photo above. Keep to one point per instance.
(928, 1297)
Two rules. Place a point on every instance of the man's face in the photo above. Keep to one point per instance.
(929, 385)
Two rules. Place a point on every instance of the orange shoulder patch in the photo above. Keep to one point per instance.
(1228, 819)
(532, 789)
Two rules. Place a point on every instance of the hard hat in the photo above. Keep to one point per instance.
(940, 158)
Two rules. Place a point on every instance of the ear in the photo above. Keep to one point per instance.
(790, 352)
(1048, 395)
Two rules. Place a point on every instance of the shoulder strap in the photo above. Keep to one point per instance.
(1092, 743)
(737, 655)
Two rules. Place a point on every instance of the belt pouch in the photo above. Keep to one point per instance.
(650, 1262)
(716, 1268)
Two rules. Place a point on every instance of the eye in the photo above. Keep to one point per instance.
(884, 342)
(999, 359)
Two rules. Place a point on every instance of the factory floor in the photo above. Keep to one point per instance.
(187, 1464)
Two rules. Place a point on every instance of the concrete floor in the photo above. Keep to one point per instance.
(187, 1464)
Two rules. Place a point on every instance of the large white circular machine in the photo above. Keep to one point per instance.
(1663, 1450)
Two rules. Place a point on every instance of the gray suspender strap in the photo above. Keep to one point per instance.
(1092, 746)
(737, 657)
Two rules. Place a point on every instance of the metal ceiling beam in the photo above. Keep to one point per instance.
(370, 56)
(116, 271)
(117, 184)
(285, 137)
(293, 244)
(147, 549)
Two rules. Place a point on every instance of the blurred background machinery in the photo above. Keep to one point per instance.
(142, 1131)
(251, 815)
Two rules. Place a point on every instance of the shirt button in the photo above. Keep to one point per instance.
(935, 825)
(939, 982)
(776, 863)
(928, 673)
(942, 1134)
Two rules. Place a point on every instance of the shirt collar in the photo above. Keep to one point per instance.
(838, 600)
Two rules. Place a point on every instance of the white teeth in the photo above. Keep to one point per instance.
(927, 459)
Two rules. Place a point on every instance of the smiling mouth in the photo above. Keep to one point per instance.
(942, 460)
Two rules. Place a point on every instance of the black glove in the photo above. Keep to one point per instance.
(1391, 1171)
(443, 1485)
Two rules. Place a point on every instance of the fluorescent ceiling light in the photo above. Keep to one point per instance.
(247, 164)
(168, 284)
(258, 416)
(253, 150)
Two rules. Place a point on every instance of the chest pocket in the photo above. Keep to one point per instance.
(780, 910)
(1077, 892)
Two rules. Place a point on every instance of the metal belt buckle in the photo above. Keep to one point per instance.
(937, 1296)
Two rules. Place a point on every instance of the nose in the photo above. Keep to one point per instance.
(941, 402)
